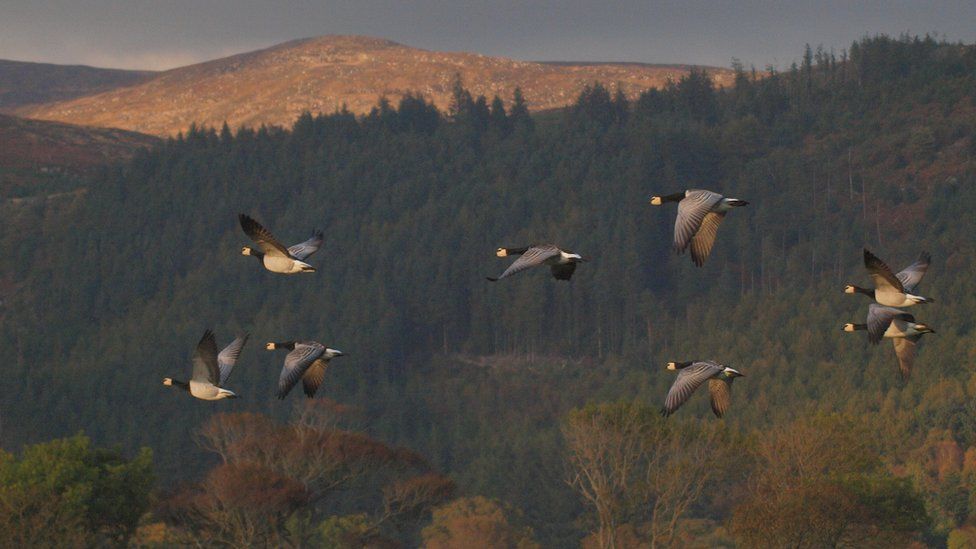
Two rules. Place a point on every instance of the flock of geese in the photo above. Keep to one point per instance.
(700, 212)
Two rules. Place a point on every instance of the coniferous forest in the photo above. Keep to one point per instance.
(521, 413)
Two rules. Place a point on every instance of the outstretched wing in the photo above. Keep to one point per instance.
(263, 237)
(721, 392)
(205, 360)
(884, 279)
(689, 379)
(691, 212)
(533, 257)
(880, 317)
(911, 275)
(704, 239)
(313, 376)
(905, 351)
(296, 363)
(307, 248)
(228, 357)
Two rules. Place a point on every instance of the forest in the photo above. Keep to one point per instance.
(522, 413)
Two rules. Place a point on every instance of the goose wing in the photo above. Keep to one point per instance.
(303, 250)
(881, 317)
(905, 351)
(911, 275)
(689, 379)
(228, 357)
(691, 212)
(296, 364)
(721, 393)
(263, 237)
(884, 279)
(704, 239)
(533, 257)
(563, 272)
(313, 376)
(205, 360)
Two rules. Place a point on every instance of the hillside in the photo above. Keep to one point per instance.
(106, 295)
(24, 83)
(38, 143)
(273, 86)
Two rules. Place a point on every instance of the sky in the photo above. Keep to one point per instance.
(162, 34)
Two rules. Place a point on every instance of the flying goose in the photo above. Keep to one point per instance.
(691, 375)
(307, 360)
(700, 212)
(900, 327)
(211, 370)
(562, 263)
(893, 290)
(273, 255)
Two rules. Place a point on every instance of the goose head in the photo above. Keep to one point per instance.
(849, 289)
(168, 381)
(849, 327)
(246, 250)
(501, 252)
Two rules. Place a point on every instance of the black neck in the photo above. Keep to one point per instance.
(865, 291)
(182, 385)
(860, 326)
(680, 365)
(516, 251)
(290, 345)
(676, 197)
(257, 253)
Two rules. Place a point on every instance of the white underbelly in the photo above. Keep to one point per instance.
(893, 299)
(203, 391)
(284, 265)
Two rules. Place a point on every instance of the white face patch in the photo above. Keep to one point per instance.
(270, 346)
(672, 366)
(656, 201)
(501, 252)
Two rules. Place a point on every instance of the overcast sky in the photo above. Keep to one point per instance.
(160, 34)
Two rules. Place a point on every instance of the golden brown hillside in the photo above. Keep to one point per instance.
(275, 85)
(36, 144)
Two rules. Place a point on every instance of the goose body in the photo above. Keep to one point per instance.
(210, 369)
(273, 255)
(890, 289)
(700, 212)
(897, 325)
(562, 263)
(691, 375)
(305, 361)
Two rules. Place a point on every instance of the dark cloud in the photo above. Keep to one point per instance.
(165, 33)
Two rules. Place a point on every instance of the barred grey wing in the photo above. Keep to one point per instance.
(691, 212)
(205, 360)
(228, 357)
(304, 249)
(533, 257)
(688, 380)
(912, 275)
(296, 363)
(263, 237)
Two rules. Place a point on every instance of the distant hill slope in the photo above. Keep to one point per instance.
(37, 143)
(23, 83)
(274, 85)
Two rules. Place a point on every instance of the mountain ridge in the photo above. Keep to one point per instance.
(272, 86)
